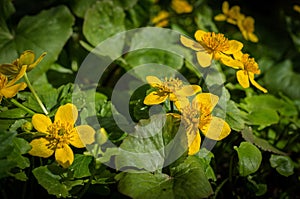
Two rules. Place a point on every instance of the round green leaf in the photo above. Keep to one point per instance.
(283, 164)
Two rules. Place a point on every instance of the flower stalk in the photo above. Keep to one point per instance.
(18, 104)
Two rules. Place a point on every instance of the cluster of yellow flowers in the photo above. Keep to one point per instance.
(195, 115)
(179, 6)
(234, 16)
(216, 46)
(11, 73)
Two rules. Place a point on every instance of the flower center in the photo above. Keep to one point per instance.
(250, 64)
(215, 42)
(172, 85)
(59, 133)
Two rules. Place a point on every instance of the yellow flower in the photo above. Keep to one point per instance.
(198, 115)
(60, 134)
(296, 8)
(213, 46)
(246, 26)
(171, 88)
(161, 20)
(247, 71)
(231, 15)
(181, 6)
(26, 59)
(9, 89)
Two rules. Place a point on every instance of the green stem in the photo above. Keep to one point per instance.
(35, 94)
(18, 104)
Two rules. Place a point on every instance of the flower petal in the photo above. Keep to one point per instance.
(33, 65)
(243, 79)
(82, 135)
(254, 83)
(64, 156)
(40, 148)
(155, 98)
(188, 90)
(26, 58)
(9, 69)
(199, 35)
(205, 102)
(181, 103)
(41, 122)
(194, 141)
(204, 58)
(234, 46)
(220, 17)
(67, 113)
(154, 81)
(216, 129)
(11, 91)
(225, 7)
(190, 43)
(229, 61)
(253, 37)
(18, 76)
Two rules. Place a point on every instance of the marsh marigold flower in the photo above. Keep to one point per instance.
(296, 8)
(60, 134)
(181, 6)
(171, 88)
(198, 115)
(246, 27)
(213, 46)
(26, 59)
(162, 19)
(9, 88)
(232, 15)
(247, 71)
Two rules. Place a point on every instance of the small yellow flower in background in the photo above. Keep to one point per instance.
(171, 88)
(213, 46)
(246, 73)
(60, 134)
(296, 8)
(162, 19)
(231, 15)
(181, 6)
(9, 88)
(198, 115)
(26, 59)
(246, 26)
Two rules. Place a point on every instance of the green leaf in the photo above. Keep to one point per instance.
(261, 143)
(79, 7)
(205, 157)
(282, 78)
(6, 166)
(52, 183)
(6, 9)
(47, 31)
(6, 139)
(80, 166)
(103, 20)
(15, 113)
(234, 117)
(283, 164)
(21, 146)
(187, 180)
(249, 158)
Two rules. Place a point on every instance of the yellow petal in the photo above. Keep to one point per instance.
(217, 129)
(155, 98)
(26, 58)
(181, 103)
(204, 59)
(243, 79)
(11, 91)
(205, 102)
(64, 156)
(82, 135)
(18, 76)
(154, 81)
(199, 35)
(225, 7)
(254, 83)
(229, 61)
(188, 90)
(67, 113)
(41, 122)
(33, 65)
(190, 43)
(40, 148)
(234, 46)
(220, 17)
(253, 37)
(194, 141)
